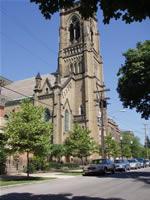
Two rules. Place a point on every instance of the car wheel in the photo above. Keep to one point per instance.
(105, 170)
(125, 169)
(113, 171)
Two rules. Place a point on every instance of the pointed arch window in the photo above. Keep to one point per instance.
(66, 121)
(74, 29)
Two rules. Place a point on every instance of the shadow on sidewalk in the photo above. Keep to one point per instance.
(29, 196)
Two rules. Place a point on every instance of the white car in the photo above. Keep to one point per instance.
(133, 164)
(99, 166)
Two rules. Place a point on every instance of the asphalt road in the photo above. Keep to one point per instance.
(134, 185)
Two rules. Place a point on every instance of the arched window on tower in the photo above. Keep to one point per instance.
(74, 29)
(71, 29)
(66, 121)
(77, 30)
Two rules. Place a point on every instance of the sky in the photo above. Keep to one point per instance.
(29, 44)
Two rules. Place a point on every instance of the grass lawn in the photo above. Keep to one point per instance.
(12, 180)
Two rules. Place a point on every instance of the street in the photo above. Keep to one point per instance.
(133, 185)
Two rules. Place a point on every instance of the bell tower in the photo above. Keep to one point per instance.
(79, 58)
(79, 45)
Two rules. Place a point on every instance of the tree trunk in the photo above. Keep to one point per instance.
(82, 161)
(28, 164)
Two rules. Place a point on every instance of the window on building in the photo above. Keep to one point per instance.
(46, 90)
(66, 122)
(81, 110)
(47, 115)
(71, 68)
(74, 29)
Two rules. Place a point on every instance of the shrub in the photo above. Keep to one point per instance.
(2, 161)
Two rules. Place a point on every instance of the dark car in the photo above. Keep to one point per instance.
(99, 166)
(122, 165)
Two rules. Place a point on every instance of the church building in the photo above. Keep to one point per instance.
(75, 92)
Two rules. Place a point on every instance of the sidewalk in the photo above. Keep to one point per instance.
(50, 175)
(62, 175)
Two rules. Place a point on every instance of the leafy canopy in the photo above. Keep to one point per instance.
(127, 10)
(134, 79)
(112, 147)
(131, 146)
(27, 131)
(79, 143)
(57, 151)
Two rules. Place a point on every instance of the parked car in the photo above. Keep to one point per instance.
(147, 163)
(99, 166)
(141, 161)
(122, 165)
(133, 164)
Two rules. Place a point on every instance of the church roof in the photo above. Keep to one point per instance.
(21, 88)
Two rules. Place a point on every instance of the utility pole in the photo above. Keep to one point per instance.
(145, 132)
(102, 106)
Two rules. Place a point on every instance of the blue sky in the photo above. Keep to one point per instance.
(29, 44)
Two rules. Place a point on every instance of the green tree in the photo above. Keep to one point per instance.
(57, 151)
(3, 156)
(3, 152)
(79, 143)
(126, 144)
(134, 75)
(128, 11)
(27, 131)
(131, 146)
(136, 147)
(112, 147)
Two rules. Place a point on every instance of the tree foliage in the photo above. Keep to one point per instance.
(79, 143)
(57, 151)
(134, 79)
(128, 11)
(112, 147)
(27, 131)
(131, 146)
(3, 152)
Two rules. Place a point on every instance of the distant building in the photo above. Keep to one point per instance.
(113, 129)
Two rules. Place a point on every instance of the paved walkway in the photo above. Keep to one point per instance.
(51, 175)
(61, 175)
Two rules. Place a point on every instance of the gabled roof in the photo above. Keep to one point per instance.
(6, 81)
(24, 87)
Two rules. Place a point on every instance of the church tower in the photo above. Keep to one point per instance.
(80, 63)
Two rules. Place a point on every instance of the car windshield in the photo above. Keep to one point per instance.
(132, 161)
(140, 159)
(99, 161)
(118, 161)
